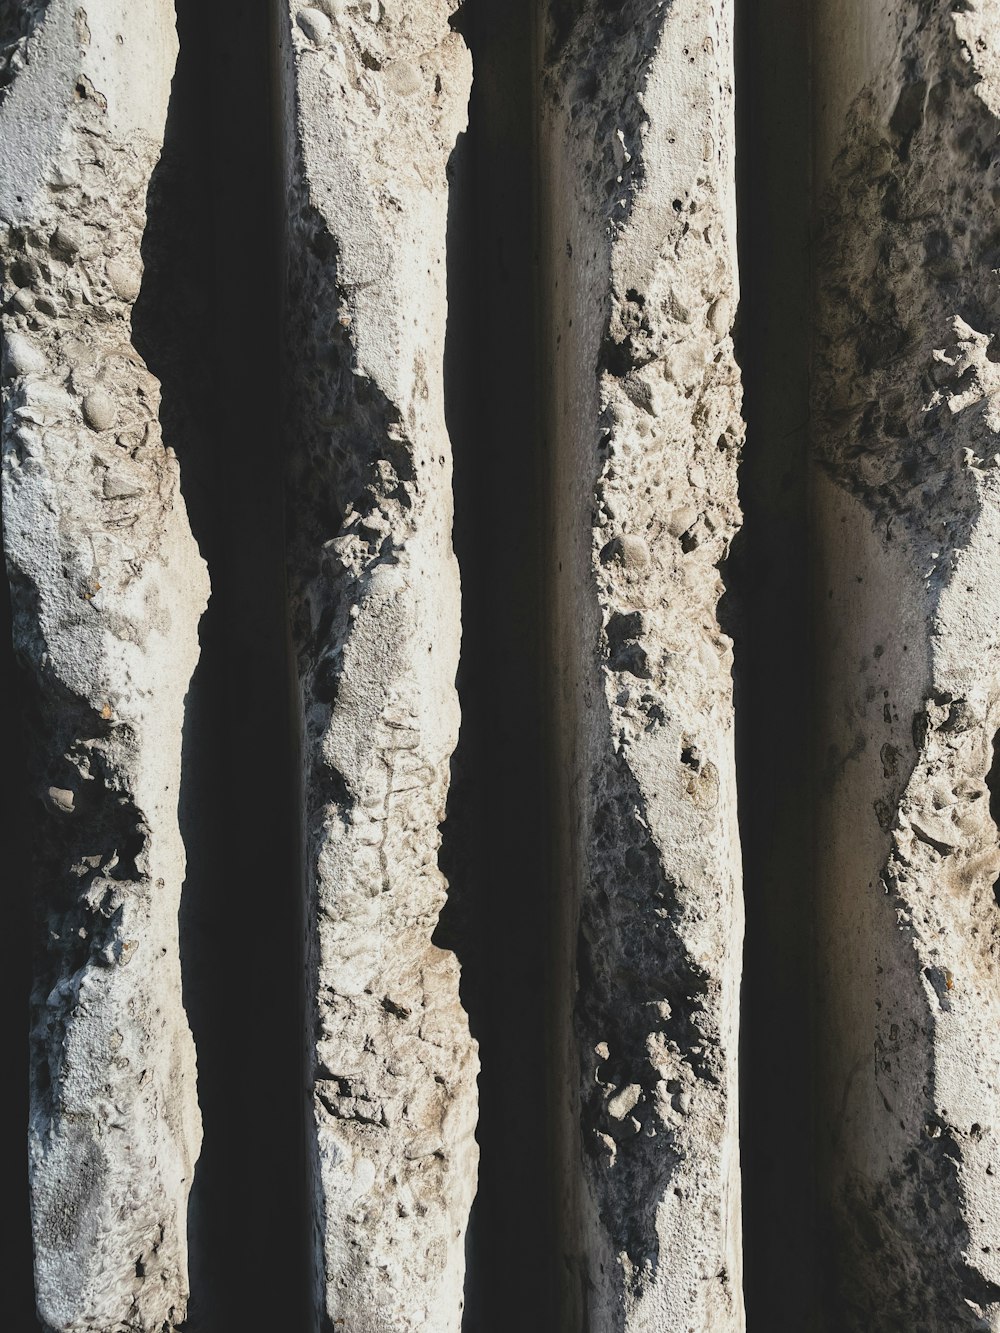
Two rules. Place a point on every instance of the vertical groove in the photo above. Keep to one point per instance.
(208, 325)
(769, 602)
(496, 848)
(260, 739)
(15, 978)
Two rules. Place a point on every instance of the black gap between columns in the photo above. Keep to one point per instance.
(16, 823)
(495, 850)
(768, 578)
(208, 325)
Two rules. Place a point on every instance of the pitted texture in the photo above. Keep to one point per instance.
(637, 116)
(907, 390)
(107, 592)
(18, 20)
(379, 95)
(908, 431)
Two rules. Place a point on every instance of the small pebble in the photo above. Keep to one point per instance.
(634, 553)
(67, 239)
(623, 1102)
(22, 357)
(61, 800)
(403, 78)
(315, 25)
(681, 519)
(125, 279)
(64, 175)
(676, 309)
(719, 317)
(99, 410)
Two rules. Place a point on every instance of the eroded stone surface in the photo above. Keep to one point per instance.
(637, 171)
(107, 590)
(908, 517)
(377, 96)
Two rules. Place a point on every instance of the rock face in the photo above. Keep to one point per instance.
(637, 172)
(107, 590)
(907, 501)
(376, 97)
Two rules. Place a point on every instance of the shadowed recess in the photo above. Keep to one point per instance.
(767, 605)
(16, 819)
(495, 850)
(207, 323)
(993, 786)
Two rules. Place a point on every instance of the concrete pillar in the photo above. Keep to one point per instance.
(644, 401)
(907, 520)
(107, 592)
(376, 97)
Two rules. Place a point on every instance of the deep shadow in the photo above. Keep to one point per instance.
(496, 836)
(15, 981)
(993, 787)
(207, 323)
(768, 596)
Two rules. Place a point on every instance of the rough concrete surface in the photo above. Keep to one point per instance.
(585, 230)
(107, 590)
(907, 513)
(377, 95)
(639, 218)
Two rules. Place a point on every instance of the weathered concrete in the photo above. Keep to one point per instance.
(107, 592)
(634, 467)
(377, 95)
(644, 403)
(907, 512)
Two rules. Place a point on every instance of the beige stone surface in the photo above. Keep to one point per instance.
(107, 589)
(907, 520)
(377, 96)
(644, 402)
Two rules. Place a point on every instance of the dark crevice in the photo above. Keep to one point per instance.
(767, 608)
(16, 818)
(208, 325)
(993, 787)
(496, 838)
